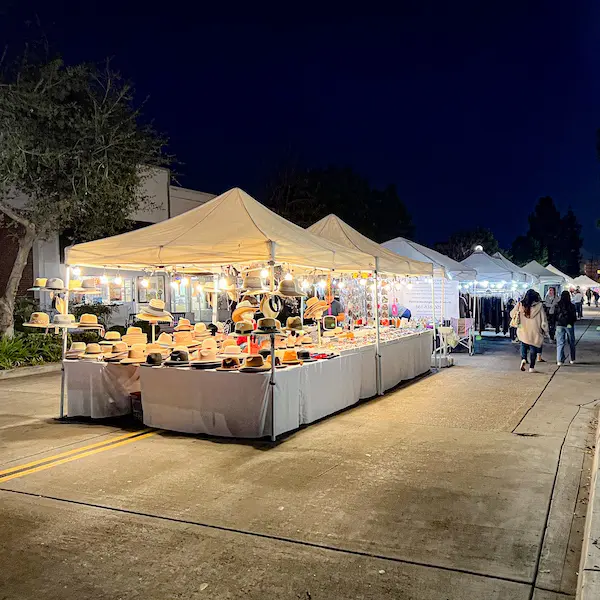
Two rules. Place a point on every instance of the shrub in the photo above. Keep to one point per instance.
(32, 349)
(24, 306)
(102, 311)
(89, 337)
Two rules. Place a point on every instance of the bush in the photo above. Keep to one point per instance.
(89, 337)
(102, 311)
(27, 350)
(24, 306)
(147, 328)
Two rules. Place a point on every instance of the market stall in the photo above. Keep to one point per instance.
(239, 240)
(543, 277)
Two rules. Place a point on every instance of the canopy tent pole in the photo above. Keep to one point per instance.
(377, 339)
(215, 307)
(272, 336)
(435, 354)
(443, 298)
(65, 333)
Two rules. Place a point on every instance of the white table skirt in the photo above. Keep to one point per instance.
(98, 389)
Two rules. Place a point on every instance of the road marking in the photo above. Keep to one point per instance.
(74, 453)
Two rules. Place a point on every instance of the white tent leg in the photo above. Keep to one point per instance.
(378, 376)
(215, 307)
(65, 333)
(272, 336)
(435, 353)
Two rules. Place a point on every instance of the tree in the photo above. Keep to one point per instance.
(570, 243)
(525, 249)
(304, 196)
(462, 243)
(72, 146)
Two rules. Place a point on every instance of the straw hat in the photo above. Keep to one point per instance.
(209, 344)
(270, 306)
(268, 325)
(184, 338)
(110, 337)
(228, 342)
(243, 328)
(206, 357)
(88, 320)
(231, 351)
(252, 285)
(201, 331)
(278, 364)
(288, 289)
(76, 350)
(184, 325)
(229, 363)
(305, 339)
(165, 339)
(38, 319)
(290, 357)
(118, 351)
(135, 356)
(180, 357)
(134, 335)
(38, 284)
(55, 284)
(294, 324)
(155, 311)
(92, 352)
(243, 311)
(62, 320)
(254, 364)
(314, 308)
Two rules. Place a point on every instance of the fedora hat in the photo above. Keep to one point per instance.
(62, 320)
(153, 359)
(118, 351)
(287, 288)
(184, 325)
(165, 339)
(268, 325)
(228, 342)
(92, 352)
(243, 328)
(206, 358)
(231, 351)
(294, 324)
(253, 285)
(180, 357)
(38, 319)
(184, 338)
(88, 320)
(201, 330)
(253, 364)
(135, 356)
(270, 306)
(305, 339)
(38, 284)
(243, 311)
(209, 344)
(290, 357)
(55, 284)
(304, 356)
(229, 363)
(155, 311)
(314, 308)
(76, 350)
(110, 337)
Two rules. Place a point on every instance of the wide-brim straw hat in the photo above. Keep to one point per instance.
(253, 286)
(316, 310)
(152, 318)
(38, 319)
(38, 284)
(270, 306)
(242, 310)
(288, 289)
(135, 338)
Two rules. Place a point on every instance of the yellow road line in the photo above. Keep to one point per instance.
(76, 457)
(73, 451)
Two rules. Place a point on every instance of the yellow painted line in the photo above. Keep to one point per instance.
(76, 457)
(73, 451)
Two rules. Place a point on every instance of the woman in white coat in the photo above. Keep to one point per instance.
(532, 326)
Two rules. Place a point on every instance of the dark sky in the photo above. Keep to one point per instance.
(473, 110)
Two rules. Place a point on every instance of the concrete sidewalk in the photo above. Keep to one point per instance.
(470, 483)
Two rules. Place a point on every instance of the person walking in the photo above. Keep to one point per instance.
(565, 328)
(596, 297)
(550, 303)
(532, 325)
(588, 295)
(577, 299)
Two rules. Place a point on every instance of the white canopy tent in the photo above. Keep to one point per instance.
(584, 281)
(231, 229)
(488, 269)
(443, 266)
(544, 276)
(552, 268)
(518, 274)
(335, 230)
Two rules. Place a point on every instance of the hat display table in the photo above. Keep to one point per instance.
(98, 389)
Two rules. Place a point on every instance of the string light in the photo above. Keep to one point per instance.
(118, 280)
(199, 287)
(363, 282)
(264, 273)
(322, 283)
(341, 284)
(288, 277)
(104, 279)
(184, 281)
(144, 283)
(76, 271)
(305, 285)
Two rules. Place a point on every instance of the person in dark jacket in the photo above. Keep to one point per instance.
(566, 316)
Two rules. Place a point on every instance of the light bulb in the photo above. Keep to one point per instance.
(363, 282)
(104, 280)
(409, 286)
(341, 284)
(305, 284)
(174, 284)
(184, 281)
(118, 280)
(144, 283)
(76, 271)
(199, 287)
(222, 282)
(264, 273)
(288, 277)
(322, 283)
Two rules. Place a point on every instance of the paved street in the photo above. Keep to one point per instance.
(469, 483)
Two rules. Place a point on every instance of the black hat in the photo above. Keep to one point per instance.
(179, 358)
(154, 359)
(304, 356)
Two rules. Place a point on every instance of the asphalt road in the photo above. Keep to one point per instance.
(450, 487)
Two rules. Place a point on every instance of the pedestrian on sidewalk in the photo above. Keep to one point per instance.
(550, 303)
(596, 297)
(588, 295)
(532, 325)
(577, 299)
(565, 328)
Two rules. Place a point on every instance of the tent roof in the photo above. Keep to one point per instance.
(534, 268)
(488, 268)
(334, 229)
(518, 273)
(559, 272)
(442, 264)
(233, 228)
(585, 281)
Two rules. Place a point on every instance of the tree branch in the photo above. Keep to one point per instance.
(16, 217)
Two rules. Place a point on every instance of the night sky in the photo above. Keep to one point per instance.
(472, 111)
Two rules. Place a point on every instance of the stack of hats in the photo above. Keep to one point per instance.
(185, 338)
(118, 351)
(184, 325)
(110, 337)
(88, 321)
(155, 311)
(76, 350)
(201, 331)
(134, 336)
(92, 352)
(135, 356)
(207, 355)
(314, 308)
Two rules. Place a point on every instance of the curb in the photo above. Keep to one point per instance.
(588, 581)
(27, 371)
